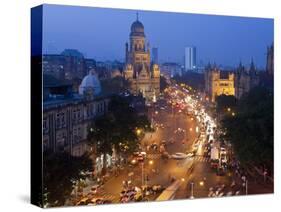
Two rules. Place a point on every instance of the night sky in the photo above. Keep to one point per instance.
(101, 34)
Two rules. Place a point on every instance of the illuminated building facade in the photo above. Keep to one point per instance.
(218, 82)
(144, 76)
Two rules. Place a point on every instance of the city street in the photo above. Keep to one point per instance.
(177, 132)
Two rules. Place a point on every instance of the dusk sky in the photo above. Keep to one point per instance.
(101, 34)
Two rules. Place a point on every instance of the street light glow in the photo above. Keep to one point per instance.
(138, 131)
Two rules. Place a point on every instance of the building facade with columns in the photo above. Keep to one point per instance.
(67, 115)
(143, 76)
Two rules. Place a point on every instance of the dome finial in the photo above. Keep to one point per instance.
(137, 16)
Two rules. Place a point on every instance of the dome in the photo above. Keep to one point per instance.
(137, 29)
(91, 84)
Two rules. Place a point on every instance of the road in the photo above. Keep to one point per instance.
(161, 171)
(180, 133)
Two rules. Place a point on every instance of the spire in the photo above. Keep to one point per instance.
(252, 66)
(209, 66)
(137, 16)
(240, 68)
(215, 65)
(240, 63)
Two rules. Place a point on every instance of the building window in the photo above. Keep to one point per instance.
(77, 116)
(46, 144)
(60, 141)
(60, 120)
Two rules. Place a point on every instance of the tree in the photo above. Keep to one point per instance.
(193, 79)
(224, 102)
(117, 129)
(163, 83)
(115, 85)
(251, 129)
(59, 172)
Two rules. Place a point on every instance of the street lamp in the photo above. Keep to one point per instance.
(246, 187)
(229, 109)
(201, 183)
(233, 114)
(191, 195)
(138, 131)
(150, 162)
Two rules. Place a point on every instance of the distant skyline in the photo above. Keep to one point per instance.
(101, 34)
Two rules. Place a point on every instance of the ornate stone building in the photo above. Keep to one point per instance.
(245, 80)
(218, 82)
(144, 76)
(67, 115)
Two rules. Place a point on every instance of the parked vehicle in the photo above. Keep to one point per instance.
(83, 201)
(214, 153)
(190, 154)
(165, 155)
(220, 171)
(214, 163)
(179, 156)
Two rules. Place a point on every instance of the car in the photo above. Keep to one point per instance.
(223, 150)
(163, 142)
(140, 158)
(157, 188)
(138, 196)
(154, 146)
(97, 201)
(223, 158)
(94, 188)
(106, 201)
(165, 155)
(220, 171)
(172, 141)
(214, 163)
(179, 156)
(206, 152)
(84, 201)
(190, 154)
(124, 199)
